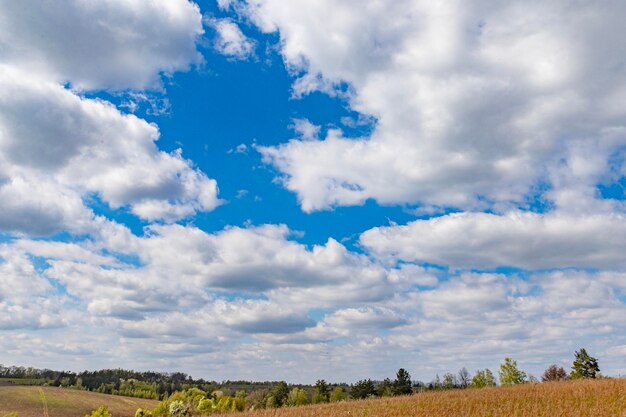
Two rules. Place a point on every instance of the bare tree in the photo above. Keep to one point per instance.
(464, 378)
(554, 373)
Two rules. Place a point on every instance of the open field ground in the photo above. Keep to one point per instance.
(597, 398)
(60, 402)
(589, 398)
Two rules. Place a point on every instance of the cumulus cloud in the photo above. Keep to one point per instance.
(80, 146)
(230, 40)
(115, 44)
(475, 106)
(523, 240)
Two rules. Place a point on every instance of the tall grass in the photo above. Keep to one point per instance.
(582, 398)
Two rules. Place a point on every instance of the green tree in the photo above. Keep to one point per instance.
(321, 392)
(337, 395)
(278, 395)
(483, 378)
(385, 388)
(363, 389)
(296, 397)
(100, 412)
(449, 380)
(402, 384)
(584, 366)
(510, 374)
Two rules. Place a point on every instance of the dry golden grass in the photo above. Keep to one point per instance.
(588, 398)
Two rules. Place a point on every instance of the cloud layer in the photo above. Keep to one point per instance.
(496, 122)
(478, 105)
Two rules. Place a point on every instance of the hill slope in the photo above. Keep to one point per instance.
(589, 398)
(60, 402)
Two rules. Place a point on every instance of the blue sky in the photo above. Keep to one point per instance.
(310, 190)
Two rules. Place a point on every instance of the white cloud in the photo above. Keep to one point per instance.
(230, 40)
(177, 297)
(524, 240)
(475, 104)
(115, 44)
(75, 146)
(305, 129)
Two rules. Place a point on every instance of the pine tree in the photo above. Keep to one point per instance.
(402, 384)
(584, 366)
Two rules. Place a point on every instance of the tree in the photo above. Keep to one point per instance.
(296, 397)
(177, 409)
(337, 395)
(584, 366)
(321, 392)
(449, 380)
(483, 378)
(363, 389)
(278, 395)
(100, 412)
(402, 384)
(554, 373)
(385, 388)
(509, 374)
(464, 378)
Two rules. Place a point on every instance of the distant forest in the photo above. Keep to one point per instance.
(271, 394)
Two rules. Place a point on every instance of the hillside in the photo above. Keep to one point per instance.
(60, 402)
(588, 398)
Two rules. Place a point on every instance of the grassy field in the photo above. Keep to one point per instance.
(590, 398)
(59, 402)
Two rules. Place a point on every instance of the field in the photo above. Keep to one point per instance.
(589, 398)
(60, 402)
(585, 398)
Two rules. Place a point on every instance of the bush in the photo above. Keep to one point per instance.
(100, 412)
(296, 397)
(178, 409)
(337, 395)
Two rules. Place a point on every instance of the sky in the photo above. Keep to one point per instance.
(267, 190)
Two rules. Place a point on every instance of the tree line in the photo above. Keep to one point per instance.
(182, 396)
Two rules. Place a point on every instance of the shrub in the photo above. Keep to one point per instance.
(337, 395)
(296, 397)
(100, 412)
(142, 412)
(178, 409)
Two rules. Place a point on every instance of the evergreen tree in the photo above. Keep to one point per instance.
(402, 384)
(278, 395)
(321, 392)
(584, 366)
(363, 389)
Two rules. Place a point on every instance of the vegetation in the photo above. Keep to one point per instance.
(581, 398)
(509, 374)
(554, 373)
(29, 402)
(584, 366)
(198, 397)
